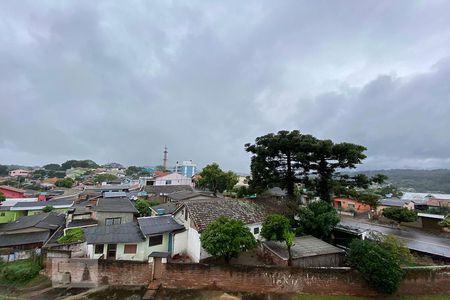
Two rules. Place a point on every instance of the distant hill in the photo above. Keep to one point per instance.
(417, 180)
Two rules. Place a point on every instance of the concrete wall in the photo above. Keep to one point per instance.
(101, 216)
(180, 242)
(10, 216)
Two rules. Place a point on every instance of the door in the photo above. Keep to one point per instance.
(111, 251)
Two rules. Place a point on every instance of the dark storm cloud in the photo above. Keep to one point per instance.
(116, 82)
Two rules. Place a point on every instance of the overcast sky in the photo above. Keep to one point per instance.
(117, 80)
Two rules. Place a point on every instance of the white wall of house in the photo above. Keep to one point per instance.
(252, 228)
(173, 179)
(194, 245)
(180, 243)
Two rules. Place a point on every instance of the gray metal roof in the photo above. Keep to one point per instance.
(393, 202)
(113, 234)
(108, 188)
(183, 195)
(304, 246)
(168, 207)
(8, 240)
(45, 220)
(114, 205)
(166, 189)
(60, 203)
(158, 224)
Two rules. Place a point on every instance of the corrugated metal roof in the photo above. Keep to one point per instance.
(113, 234)
(158, 224)
(8, 240)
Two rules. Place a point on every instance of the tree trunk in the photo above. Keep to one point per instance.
(289, 255)
(289, 177)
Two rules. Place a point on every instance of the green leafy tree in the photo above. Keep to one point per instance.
(289, 157)
(379, 178)
(444, 223)
(318, 219)
(3, 170)
(104, 178)
(79, 164)
(133, 170)
(378, 265)
(65, 182)
(2, 197)
(214, 179)
(370, 199)
(160, 168)
(143, 208)
(47, 208)
(400, 214)
(52, 167)
(227, 238)
(277, 227)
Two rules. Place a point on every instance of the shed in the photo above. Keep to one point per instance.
(307, 251)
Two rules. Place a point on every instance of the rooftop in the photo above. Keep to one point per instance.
(205, 210)
(187, 194)
(58, 203)
(7, 240)
(168, 207)
(11, 188)
(304, 246)
(45, 221)
(158, 224)
(393, 202)
(166, 189)
(113, 234)
(114, 205)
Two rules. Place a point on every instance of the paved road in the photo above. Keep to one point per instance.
(414, 239)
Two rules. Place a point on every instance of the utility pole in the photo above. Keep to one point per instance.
(165, 158)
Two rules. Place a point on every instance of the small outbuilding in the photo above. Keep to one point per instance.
(307, 251)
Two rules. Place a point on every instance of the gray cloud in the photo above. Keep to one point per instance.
(116, 82)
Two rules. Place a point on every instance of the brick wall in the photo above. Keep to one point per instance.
(86, 272)
(260, 279)
(275, 279)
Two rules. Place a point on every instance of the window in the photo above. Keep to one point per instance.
(256, 230)
(168, 181)
(130, 249)
(112, 221)
(155, 240)
(339, 203)
(99, 249)
(351, 205)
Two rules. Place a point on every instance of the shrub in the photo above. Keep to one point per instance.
(445, 222)
(378, 265)
(65, 182)
(19, 271)
(318, 219)
(72, 236)
(400, 214)
(47, 208)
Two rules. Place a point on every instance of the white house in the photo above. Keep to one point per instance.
(20, 172)
(196, 214)
(136, 241)
(170, 179)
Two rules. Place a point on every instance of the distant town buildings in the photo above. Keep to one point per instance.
(186, 168)
(20, 172)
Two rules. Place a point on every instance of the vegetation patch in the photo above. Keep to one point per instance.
(20, 271)
(72, 236)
